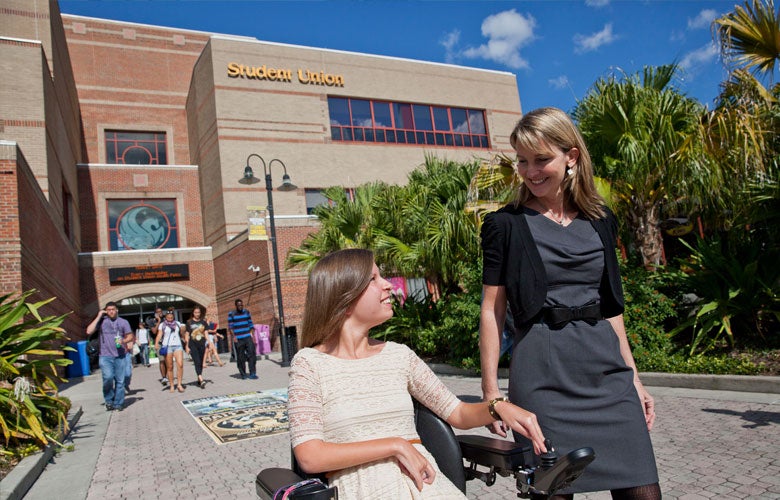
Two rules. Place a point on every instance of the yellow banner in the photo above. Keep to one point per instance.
(256, 218)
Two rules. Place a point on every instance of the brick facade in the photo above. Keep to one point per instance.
(111, 75)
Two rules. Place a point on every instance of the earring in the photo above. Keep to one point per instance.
(569, 171)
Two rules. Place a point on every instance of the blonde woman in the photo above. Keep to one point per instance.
(551, 255)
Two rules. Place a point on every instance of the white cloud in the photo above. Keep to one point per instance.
(588, 43)
(699, 56)
(559, 83)
(507, 32)
(450, 42)
(597, 3)
(703, 19)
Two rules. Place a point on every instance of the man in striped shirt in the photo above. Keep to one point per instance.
(240, 327)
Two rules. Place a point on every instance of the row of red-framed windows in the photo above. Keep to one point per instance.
(365, 120)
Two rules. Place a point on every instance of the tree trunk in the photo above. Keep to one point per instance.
(647, 234)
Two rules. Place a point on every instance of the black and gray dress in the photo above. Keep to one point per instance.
(574, 379)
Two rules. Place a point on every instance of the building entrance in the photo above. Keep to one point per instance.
(138, 308)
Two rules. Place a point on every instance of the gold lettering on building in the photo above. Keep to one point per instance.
(321, 78)
(307, 77)
(263, 72)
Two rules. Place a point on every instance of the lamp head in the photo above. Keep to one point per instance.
(287, 184)
(249, 176)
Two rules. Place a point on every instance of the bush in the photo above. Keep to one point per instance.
(30, 410)
(647, 310)
(734, 279)
(447, 329)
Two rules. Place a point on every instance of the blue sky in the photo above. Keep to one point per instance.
(557, 49)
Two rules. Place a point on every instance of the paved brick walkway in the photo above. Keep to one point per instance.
(709, 444)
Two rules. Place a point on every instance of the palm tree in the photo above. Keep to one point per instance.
(434, 236)
(645, 139)
(742, 130)
(417, 230)
(749, 37)
(345, 222)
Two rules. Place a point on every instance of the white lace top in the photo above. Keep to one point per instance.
(348, 400)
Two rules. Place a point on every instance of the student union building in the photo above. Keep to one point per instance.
(122, 146)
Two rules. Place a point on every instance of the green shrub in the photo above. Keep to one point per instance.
(646, 312)
(30, 410)
(678, 362)
(735, 279)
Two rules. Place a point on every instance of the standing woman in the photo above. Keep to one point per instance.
(169, 334)
(552, 255)
(197, 341)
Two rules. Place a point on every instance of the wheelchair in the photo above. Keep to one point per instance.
(543, 475)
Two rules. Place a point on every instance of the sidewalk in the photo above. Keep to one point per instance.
(708, 444)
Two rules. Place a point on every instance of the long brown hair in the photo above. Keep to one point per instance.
(545, 128)
(335, 283)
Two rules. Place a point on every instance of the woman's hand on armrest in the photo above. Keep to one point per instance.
(317, 456)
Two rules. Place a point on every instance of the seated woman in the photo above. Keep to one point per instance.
(350, 396)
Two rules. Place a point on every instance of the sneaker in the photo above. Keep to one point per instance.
(118, 408)
(243, 377)
(164, 381)
(109, 407)
(253, 376)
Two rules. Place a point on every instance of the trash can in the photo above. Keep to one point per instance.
(80, 361)
(222, 344)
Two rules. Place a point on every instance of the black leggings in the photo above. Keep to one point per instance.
(198, 352)
(646, 492)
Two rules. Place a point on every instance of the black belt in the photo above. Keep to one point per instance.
(557, 317)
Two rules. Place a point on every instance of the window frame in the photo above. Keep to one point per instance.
(395, 134)
(112, 142)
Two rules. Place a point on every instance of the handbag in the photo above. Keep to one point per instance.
(164, 349)
(136, 350)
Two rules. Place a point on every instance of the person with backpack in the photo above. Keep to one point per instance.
(115, 340)
(169, 344)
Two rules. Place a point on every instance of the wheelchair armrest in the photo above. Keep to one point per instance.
(268, 482)
(499, 453)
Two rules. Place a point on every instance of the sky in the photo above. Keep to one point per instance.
(556, 49)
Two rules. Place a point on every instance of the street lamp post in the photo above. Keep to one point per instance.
(287, 185)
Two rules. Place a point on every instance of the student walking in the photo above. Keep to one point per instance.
(240, 327)
(169, 334)
(197, 341)
(142, 338)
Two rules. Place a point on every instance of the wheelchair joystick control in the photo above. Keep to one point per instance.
(549, 458)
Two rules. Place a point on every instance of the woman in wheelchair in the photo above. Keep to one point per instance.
(350, 396)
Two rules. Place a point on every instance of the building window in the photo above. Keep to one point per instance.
(135, 148)
(142, 224)
(316, 198)
(363, 120)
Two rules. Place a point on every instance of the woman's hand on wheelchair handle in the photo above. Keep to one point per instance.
(522, 421)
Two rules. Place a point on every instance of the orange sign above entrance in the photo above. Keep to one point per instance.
(145, 273)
